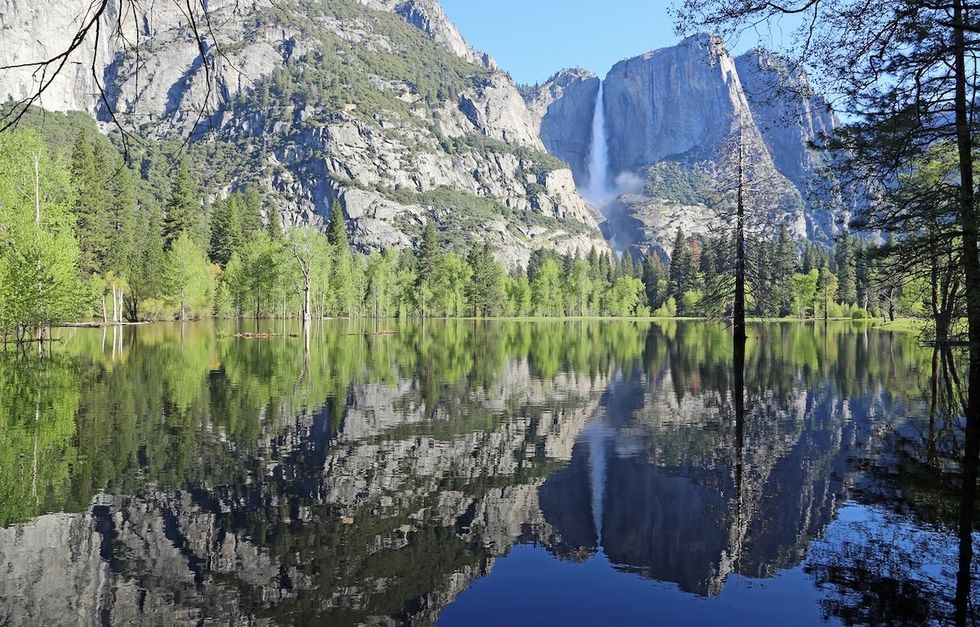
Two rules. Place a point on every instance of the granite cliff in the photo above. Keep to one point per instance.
(669, 114)
(379, 104)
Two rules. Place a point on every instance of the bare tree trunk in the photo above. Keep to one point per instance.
(738, 310)
(307, 315)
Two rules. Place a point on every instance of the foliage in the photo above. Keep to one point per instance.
(39, 253)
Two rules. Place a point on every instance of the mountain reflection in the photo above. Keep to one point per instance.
(173, 474)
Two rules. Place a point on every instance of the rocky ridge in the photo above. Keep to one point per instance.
(379, 104)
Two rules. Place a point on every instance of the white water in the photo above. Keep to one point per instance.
(598, 192)
(597, 476)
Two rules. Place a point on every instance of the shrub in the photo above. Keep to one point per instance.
(667, 310)
(690, 302)
(858, 313)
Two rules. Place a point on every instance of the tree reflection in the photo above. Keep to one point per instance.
(339, 474)
(888, 570)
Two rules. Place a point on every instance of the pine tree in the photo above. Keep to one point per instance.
(145, 281)
(593, 261)
(337, 226)
(486, 289)
(784, 266)
(845, 269)
(250, 208)
(91, 208)
(653, 276)
(273, 225)
(343, 283)
(182, 211)
(627, 267)
(682, 275)
(123, 224)
(227, 232)
(428, 251)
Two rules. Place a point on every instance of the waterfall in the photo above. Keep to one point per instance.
(597, 477)
(598, 192)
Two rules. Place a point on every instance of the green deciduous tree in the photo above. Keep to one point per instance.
(39, 253)
(546, 289)
(188, 279)
(450, 285)
(310, 250)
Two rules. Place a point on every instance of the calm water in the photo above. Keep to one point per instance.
(479, 474)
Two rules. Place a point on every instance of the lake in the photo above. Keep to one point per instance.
(480, 473)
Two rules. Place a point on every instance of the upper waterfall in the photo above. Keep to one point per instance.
(598, 192)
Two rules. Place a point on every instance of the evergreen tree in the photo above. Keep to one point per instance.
(682, 275)
(627, 267)
(428, 251)
(182, 212)
(250, 210)
(145, 280)
(653, 278)
(845, 270)
(426, 262)
(593, 261)
(274, 224)
(784, 267)
(337, 226)
(227, 230)
(91, 207)
(863, 273)
(486, 289)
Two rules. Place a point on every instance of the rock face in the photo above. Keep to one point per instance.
(671, 115)
(793, 119)
(673, 103)
(565, 106)
(379, 104)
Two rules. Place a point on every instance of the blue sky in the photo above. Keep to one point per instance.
(532, 39)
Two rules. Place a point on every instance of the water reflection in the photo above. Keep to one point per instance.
(352, 474)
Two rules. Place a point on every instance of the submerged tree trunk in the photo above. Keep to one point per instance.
(971, 265)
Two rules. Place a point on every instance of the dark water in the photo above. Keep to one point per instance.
(480, 474)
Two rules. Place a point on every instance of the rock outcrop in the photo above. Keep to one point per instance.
(379, 104)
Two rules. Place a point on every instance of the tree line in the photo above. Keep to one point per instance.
(89, 236)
